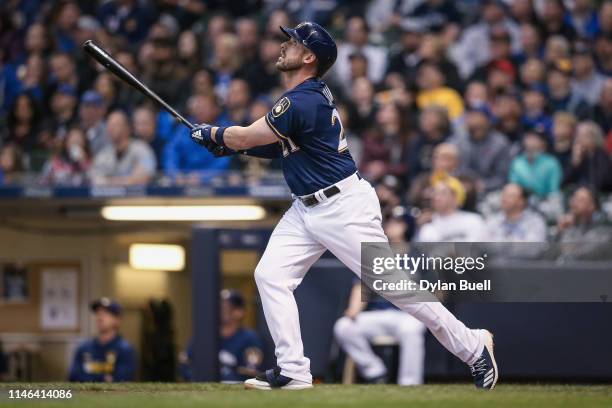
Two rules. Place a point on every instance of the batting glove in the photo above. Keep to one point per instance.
(201, 134)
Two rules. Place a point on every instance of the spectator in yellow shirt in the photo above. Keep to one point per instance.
(433, 91)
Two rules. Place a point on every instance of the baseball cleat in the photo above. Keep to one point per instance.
(272, 378)
(484, 370)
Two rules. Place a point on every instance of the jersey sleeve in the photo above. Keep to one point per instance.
(284, 118)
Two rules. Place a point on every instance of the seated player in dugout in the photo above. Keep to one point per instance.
(108, 357)
(241, 355)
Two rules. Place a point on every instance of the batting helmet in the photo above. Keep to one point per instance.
(316, 39)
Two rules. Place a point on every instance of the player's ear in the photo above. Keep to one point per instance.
(309, 58)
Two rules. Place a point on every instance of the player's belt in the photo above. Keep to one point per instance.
(312, 199)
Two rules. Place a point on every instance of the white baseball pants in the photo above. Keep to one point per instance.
(340, 224)
(355, 336)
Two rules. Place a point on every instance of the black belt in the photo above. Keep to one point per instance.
(311, 200)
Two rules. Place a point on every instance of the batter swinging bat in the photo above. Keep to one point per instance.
(120, 71)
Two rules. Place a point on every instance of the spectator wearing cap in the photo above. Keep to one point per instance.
(240, 354)
(180, 158)
(484, 151)
(448, 223)
(472, 50)
(515, 222)
(561, 95)
(126, 161)
(125, 18)
(357, 40)
(564, 126)
(92, 111)
(63, 107)
(590, 164)
(431, 83)
(582, 230)
(535, 109)
(587, 83)
(108, 357)
(535, 170)
(406, 58)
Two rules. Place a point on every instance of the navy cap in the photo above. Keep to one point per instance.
(234, 297)
(316, 39)
(66, 89)
(107, 303)
(92, 97)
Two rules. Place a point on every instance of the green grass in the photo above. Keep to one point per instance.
(205, 395)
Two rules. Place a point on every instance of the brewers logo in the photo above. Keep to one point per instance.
(281, 107)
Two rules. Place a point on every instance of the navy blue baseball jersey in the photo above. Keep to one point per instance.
(93, 361)
(312, 141)
(240, 357)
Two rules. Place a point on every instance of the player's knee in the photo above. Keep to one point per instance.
(344, 327)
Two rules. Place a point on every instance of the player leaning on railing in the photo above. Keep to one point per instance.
(334, 209)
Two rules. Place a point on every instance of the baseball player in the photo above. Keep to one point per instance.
(334, 209)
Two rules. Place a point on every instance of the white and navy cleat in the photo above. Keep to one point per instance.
(484, 370)
(271, 379)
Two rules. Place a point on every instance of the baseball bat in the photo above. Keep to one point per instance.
(122, 73)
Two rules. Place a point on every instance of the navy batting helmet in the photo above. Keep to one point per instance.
(316, 39)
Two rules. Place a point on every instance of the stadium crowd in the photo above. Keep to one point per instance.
(500, 107)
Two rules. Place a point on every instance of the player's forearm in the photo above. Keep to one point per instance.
(235, 137)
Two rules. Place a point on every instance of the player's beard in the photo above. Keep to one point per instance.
(283, 64)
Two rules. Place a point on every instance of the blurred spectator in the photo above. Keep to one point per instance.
(387, 191)
(587, 82)
(473, 48)
(535, 170)
(69, 165)
(262, 75)
(66, 16)
(535, 112)
(357, 40)
(500, 50)
(584, 18)
(603, 111)
(515, 222)
(523, 11)
(63, 106)
(434, 128)
(145, 129)
(448, 223)
(532, 73)
(554, 20)
(508, 112)
(590, 164)
(241, 352)
(108, 357)
(226, 63)
(580, 230)
(434, 15)
(557, 49)
(92, 111)
(604, 19)
(163, 70)
(189, 53)
(23, 123)
(126, 161)
(180, 154)
(11, 163)
(238, 101)
(483, 151)
(433, 91)
(63, 71)
(362, 106)
(386, 145)
(364, 320)
(531, 41)
(445, 162)
(126, 18)
(564, 126)
(562, 97)
(247, 31)
(106, 86)
(407, 57)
